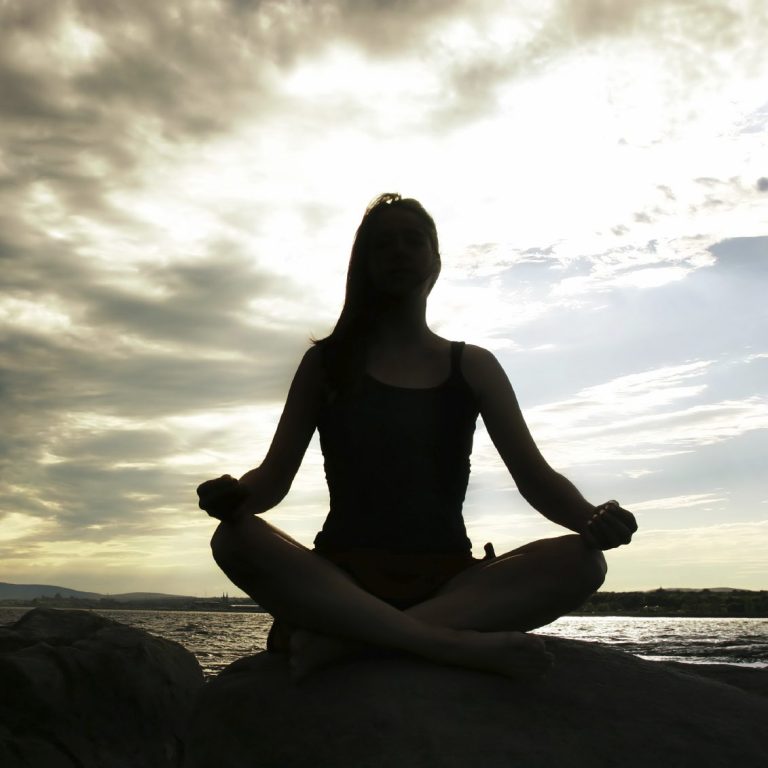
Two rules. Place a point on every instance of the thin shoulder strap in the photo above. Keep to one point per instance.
(457, 347)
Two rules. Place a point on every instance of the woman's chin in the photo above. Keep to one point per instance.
(402, 285)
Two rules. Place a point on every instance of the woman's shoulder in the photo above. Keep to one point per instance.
(481, 369)
(312, 358)
(311, 367)
(474, 357)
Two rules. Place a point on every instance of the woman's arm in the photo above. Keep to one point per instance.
(545, 489)
(266, 486)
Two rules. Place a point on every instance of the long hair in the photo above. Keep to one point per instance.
(344, 348)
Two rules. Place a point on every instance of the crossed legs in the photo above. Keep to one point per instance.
(477, 619)
(520, 590)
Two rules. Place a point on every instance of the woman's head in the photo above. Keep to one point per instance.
(395, 254)
(395, 249)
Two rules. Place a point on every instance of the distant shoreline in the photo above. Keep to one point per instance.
(661, 603)
(256, 609)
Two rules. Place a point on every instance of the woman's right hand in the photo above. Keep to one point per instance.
(221, 497)
(609, 527)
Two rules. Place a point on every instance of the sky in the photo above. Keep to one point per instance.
(180, 183)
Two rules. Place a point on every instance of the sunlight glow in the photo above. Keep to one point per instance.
(585, 164)
(16, 526)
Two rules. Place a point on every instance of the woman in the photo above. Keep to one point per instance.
(395, 406)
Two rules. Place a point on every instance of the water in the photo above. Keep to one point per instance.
(218, 639)
(687, 639)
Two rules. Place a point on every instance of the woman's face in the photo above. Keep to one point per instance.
(400, 256)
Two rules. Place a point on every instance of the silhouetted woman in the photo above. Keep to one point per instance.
(396, 406)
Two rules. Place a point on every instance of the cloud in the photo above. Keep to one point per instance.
(639, 416)
(110, 85)
(690, 41)
(96, 362)
(179, 183)
(683, 501)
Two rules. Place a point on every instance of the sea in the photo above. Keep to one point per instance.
(219, 638)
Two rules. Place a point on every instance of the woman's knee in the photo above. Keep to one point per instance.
(597, 569)
(586, 566)
(231, 540)
(594, 569)
(222, 544)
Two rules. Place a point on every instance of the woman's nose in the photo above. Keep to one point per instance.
(400, 244)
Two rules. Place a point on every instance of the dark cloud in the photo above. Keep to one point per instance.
(152, 73)
(742, 253)
(47, 374)
(157, 73)
(187, 67)
(137, 445)
(60, 397)
(180, 336)
(202, 304)
(384, 28)
(762, 184)
(183, 340)
(90, 499)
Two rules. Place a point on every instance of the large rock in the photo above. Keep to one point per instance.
(597, 708)
(750, 679)
(80, 691)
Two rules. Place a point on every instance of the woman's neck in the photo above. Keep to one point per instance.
(404, 352)
(403, 323)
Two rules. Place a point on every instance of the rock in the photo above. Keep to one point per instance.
(598, 708)
(81, 691)
(754, 680)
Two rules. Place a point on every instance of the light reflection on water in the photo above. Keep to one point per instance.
(218, 639)
(687, 639)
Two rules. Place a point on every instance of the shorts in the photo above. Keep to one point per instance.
(401, 579)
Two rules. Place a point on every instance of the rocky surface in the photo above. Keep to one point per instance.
(750, 679)
(81, 691)
(598, 708)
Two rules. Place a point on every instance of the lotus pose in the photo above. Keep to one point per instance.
(396, 405)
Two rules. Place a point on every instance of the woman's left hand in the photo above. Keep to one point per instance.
(610, 526)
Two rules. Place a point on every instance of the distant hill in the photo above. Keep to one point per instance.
(699, 589)
(32, 591)
(131, 596)
(35, 591)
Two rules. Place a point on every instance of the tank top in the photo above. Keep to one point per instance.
(397, 465)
